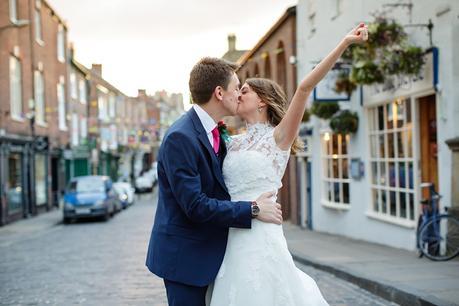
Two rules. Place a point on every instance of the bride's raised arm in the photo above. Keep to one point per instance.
(287, 130)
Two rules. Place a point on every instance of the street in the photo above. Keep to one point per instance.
(102, 263)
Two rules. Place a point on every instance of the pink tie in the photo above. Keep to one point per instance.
(216, 136)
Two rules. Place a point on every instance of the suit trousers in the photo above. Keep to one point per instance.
(179, 294)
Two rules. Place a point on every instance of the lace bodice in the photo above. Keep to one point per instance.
(254, 163)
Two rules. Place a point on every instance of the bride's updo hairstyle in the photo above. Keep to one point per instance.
(276, 100)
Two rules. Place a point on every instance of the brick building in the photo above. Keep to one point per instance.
(33, 114)
(274, 57)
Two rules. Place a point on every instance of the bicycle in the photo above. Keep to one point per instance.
(438, 234)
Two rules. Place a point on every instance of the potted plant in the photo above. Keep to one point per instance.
(324, 110)
(345, 122)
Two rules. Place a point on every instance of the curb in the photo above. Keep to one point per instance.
(384, 290)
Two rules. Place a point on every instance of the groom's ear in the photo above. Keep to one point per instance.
(218, 92)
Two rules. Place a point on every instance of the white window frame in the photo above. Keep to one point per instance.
(383, 162)
(82, 91)
(102, 107)
(73, 85)
(13, 10)
(61, 43)
(16, 107)
(84, 128)
(39, 97)
(111, 105)
(61, 104)
(327, 177)
(38, 23)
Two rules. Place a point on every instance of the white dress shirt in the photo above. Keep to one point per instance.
(207, 122)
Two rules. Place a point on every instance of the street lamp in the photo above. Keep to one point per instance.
(17, 24)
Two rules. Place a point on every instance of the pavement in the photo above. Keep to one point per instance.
(394, 274)
(343, 268)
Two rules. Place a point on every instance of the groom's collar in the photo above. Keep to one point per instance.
(206, 120)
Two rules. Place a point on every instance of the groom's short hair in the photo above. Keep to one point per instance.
(206, 75)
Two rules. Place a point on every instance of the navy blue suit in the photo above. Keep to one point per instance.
(194, 212)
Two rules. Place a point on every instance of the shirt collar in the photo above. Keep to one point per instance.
(207, 122)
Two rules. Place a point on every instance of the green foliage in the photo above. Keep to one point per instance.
(324, 110)
(345, 122)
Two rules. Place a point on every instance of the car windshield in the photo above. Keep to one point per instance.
(87, 185)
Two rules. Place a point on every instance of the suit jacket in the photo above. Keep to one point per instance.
(194, 211)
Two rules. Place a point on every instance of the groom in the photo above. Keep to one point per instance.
(194, 212)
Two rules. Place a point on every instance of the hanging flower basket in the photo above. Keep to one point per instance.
(325, 110)
(385, 54)
(346, 122)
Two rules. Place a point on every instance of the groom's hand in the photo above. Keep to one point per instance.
(270, 211)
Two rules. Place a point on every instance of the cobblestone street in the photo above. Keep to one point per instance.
(102, 263)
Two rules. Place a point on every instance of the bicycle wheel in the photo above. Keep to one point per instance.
(439, 238)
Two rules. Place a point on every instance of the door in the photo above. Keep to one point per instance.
(428, 141)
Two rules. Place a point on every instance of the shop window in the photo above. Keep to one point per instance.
(14, 184)
(335, 174)
(391, 160)
(41, 195)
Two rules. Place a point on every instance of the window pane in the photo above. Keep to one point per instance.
(393, 203)
(345, 193)
(337, 191)
(382, 174)
(392, 181)
(409, 143)
(400, 144)
(345, 168)
(330, 167)
(335, 144)
(384, 201)
(15, 87)
(375, 200)
(14, 184)
(411, 204)
(382, 150)
(329, 192)
(399, 113)
(380, 118)
(389, 116)
(373, 146)
(335, 168)
(40, 179)
(344, 144)
(402, 175)
(374, 173)
(402, 199)
(391, 144)
(408, 111)
(410, 175)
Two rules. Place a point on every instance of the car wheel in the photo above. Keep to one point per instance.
(66, 220)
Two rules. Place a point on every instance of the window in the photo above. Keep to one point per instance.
(37, 20)
(73, 86)
(392, 161)
(82, 90)
(111, 104)
(14, 184)
(39, 95)
(41, 195)
(335, 161)
(15, 88)
(102, 103)
(61, 43)
(84, 128)
(61, 104)
(13, 11)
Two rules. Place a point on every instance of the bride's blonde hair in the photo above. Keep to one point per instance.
(276, 100)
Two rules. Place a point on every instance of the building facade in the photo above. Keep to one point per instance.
(274, 57)
(366, 185)
(33, 114)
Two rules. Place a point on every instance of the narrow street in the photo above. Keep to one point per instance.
(102, 263)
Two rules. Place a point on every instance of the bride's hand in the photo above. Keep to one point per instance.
(270, 211)
(357, 35)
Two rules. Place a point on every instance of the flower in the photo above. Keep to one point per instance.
(223, 131)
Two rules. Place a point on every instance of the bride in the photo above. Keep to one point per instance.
(257, 269)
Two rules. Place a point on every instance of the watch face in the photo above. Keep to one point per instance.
(255, 210)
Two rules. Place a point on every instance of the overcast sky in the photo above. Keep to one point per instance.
(153, 44)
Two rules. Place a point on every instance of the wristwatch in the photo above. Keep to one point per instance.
(255, 209)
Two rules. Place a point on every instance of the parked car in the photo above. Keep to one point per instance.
(125, 193)
(147, 180)
(90, 196)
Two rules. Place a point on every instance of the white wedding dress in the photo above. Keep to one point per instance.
(257, 269)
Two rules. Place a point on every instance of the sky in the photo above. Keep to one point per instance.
(153, 44)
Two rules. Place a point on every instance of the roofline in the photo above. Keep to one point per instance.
(291, 11)
(64, 23)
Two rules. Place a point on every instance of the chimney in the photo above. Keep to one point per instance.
(231, 42)
(142, 93)
(97, 69)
